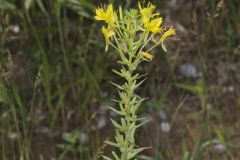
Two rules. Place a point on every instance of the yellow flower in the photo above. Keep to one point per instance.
(146, 55)
(168, 33)
(154, 25)
(146, 12)
(107, 34)
(109, 16)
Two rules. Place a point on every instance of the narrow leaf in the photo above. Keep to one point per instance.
(106, 158)
(118, 86)
(116, 111)
(118, 126)
(135, 152)
(115, 156)
(112, 143)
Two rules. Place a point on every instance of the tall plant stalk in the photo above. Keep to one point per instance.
(129, 32)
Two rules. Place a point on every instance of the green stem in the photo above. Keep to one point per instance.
(129, 117)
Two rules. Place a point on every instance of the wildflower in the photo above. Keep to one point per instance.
(168, 33)
(109, 16)
(154, 25)
(107, 34)
(146, 12)
(146, 55)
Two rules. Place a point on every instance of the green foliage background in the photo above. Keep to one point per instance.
(55, 74)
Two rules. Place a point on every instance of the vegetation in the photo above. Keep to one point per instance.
(55, 82)
(130, 43)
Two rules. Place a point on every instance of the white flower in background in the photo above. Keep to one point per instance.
(219, 147)
(165, 127)
(188, 70)
(101, 122)
(15, 29)
(66, 136)
(83, 138)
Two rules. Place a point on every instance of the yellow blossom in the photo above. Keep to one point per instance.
(146, 12)
(146, 55)
(168, 33)
(108, 15)
(154, 25)
(107, 34)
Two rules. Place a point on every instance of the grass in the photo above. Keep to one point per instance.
(54, 75)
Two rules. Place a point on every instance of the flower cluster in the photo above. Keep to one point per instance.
(150, 22)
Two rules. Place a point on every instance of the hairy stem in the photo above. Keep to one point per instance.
(130, 115)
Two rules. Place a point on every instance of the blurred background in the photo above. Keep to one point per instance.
(56, 79)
